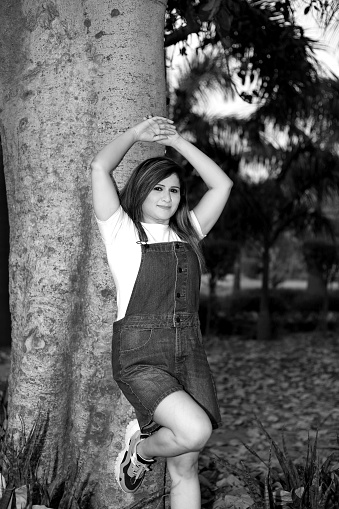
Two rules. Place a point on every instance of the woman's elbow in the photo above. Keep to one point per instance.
(228, 185)
(95, 165)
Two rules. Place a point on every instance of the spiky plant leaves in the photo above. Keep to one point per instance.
(13, 501)
(6, 500)
(227, 465)
(290, 463)
(76, 494)
(253, 487)
(29, 497)
(20, 464)
(252, 451)
(314, 490)
(292, 479)
(34, 444)
(267, 498)
(268, 495)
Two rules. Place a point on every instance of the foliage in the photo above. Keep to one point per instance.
(322, 257)
(219, 254)
(292, 310)
(311, 485)
(23, 481)
(260, 40)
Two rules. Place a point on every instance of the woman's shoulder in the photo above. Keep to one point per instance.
(119, 224)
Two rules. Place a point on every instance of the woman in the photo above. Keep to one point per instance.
(152, 244)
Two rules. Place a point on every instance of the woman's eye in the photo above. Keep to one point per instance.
(158, 188)
(174, 190)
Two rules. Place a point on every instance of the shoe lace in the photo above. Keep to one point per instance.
(138, 468)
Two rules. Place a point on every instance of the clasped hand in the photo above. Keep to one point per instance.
(158, 129)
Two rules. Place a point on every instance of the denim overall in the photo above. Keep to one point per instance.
(157, 346)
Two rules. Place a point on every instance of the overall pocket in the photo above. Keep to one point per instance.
(134, 339)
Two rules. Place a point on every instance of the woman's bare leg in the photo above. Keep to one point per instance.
(185, 430)
(185, 487)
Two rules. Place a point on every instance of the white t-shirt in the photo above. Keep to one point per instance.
(120, 237)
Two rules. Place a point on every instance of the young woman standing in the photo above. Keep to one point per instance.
(152, 243)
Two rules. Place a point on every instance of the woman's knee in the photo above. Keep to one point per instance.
(194, 437)
(188, 422)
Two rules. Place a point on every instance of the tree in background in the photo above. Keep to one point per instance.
(322, 259)
(220, 254)
(287, 197)
(260, 41)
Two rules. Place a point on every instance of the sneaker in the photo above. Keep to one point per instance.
(130, 469)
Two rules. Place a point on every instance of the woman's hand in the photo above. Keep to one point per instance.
(159, 129)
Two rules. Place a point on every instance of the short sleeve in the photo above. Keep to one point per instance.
(196, 225)
(110, 228)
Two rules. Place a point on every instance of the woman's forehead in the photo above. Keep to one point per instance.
(172, 180)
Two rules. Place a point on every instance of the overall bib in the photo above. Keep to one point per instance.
(157, 346)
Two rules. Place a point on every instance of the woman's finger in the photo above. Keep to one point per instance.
(167, 120)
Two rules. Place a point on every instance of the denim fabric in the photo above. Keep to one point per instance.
(157, 346)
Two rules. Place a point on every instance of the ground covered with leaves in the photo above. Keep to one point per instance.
(290, 385)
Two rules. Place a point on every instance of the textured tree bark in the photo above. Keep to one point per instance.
(73, 74)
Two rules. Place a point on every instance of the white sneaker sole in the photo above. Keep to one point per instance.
(132, 427)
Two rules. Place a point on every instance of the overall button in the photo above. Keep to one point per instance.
(177, 246)
(180, 269)
(177, 319)
(178, 294)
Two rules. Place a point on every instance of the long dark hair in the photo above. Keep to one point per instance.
(143, 179)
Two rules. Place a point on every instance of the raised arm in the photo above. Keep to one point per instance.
(219, 184)
(105, 197)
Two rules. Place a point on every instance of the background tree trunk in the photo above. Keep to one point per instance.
(72, 76)
(237, 273)
(264, 328)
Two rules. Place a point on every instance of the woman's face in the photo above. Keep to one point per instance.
(162, 202)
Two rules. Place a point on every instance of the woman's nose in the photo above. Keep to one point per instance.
(166, 196)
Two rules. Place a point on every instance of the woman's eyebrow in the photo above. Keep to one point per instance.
(171, 187)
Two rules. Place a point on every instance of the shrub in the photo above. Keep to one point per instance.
(311, 485)
(22, 478)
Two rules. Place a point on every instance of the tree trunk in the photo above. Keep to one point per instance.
(315, 283)
(264, 319)
(72, 76)
(237, 273)
(5, 319)
(323, 314)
